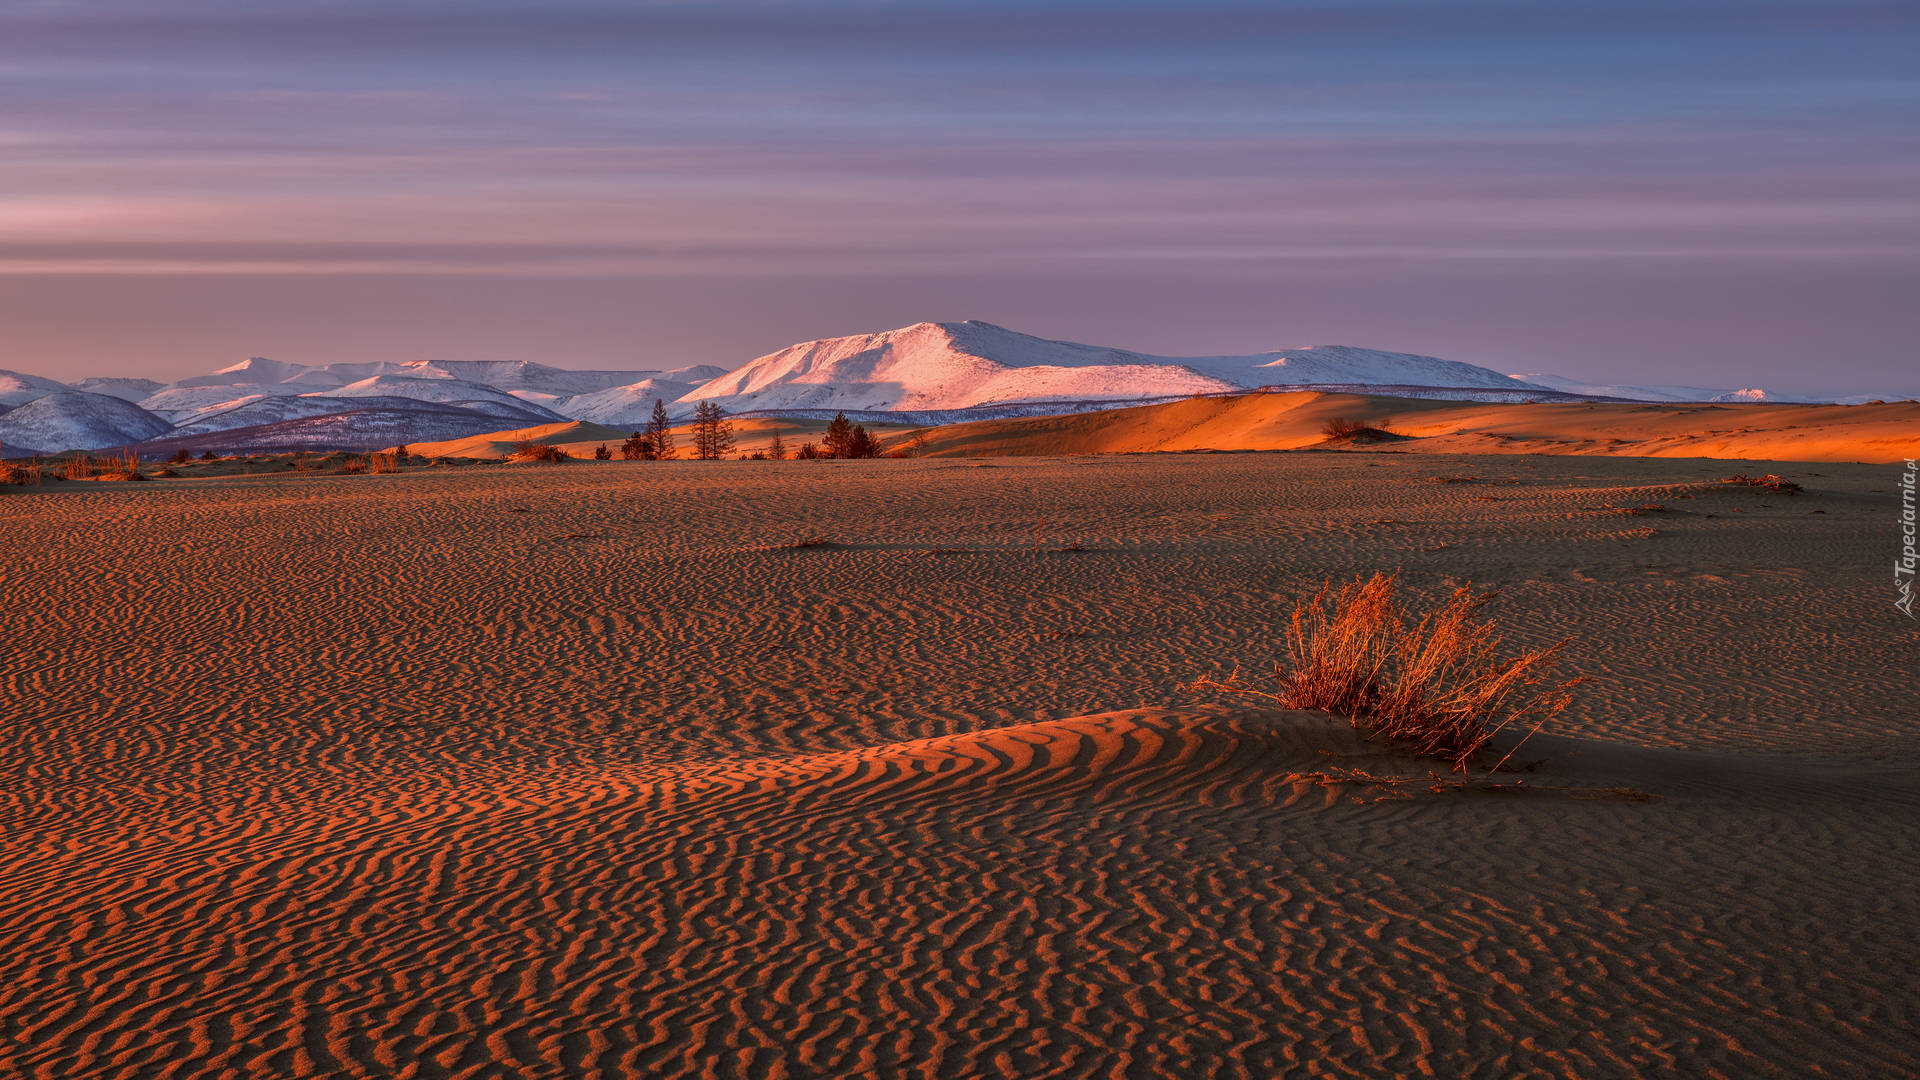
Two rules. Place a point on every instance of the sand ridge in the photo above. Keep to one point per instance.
(1884, 432)
(585, 770)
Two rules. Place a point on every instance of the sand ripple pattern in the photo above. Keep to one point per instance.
(396, 780)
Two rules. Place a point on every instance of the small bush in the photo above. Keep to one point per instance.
(1769, 481)
(601, 453)
(1341, 427)
(208, 456)
(533, 451)
(1439, 685)
(180, 458)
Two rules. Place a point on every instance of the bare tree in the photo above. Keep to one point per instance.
(917, 443)
(660, 431)
(712, 431)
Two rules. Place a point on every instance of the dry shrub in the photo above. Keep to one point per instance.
(1341, 427)
(1769, 481)
(534, 451)
(1439, 684)
(383, 463)
(353, 465)
(106, 468)
(18, 474)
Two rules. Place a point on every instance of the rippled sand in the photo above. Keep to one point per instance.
(584, 770)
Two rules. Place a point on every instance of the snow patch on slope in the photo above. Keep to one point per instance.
(134, 390)
(17, 388)
(75, 420)
(629, 406)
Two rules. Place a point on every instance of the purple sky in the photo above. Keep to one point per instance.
(1712, 193)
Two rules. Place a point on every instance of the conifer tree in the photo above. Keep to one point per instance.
(777, 449)
(838, 441)
(638, 448)
(862, 445)
(712, 432)
(660, 431)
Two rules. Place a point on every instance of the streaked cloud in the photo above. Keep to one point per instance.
(889, 138)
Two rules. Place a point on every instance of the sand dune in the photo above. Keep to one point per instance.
(1866, 433)
(588, 771)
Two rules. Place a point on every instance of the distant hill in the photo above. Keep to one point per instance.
(72, 420)
(927, 373)
(354, 429)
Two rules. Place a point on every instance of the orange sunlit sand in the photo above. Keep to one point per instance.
(900, 768)
(1887, 431)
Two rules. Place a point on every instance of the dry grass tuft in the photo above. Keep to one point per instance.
(1439, 684)
(1769, 481)
(383, 463)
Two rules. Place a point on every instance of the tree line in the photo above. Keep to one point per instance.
(713, 439)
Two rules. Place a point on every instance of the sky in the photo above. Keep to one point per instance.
(1719, 194)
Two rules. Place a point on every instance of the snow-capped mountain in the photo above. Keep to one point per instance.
(133, 390)
(254, 411)
(74, 420)
(631, 406)
(447, 391)
(17, 388)
(938, 366)
(927, 370)
(1646, 393)
(182, 404)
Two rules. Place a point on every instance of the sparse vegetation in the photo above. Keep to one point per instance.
(11, 473)
(180, 458)
(208, 456)
(1439, 684)
(1344, 428)
(534, 451)
(1769, 481)
(777, 449)
(808, 452)
(637, 448)
(601, 453)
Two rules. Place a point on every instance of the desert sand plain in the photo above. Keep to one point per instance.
(588, 770)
